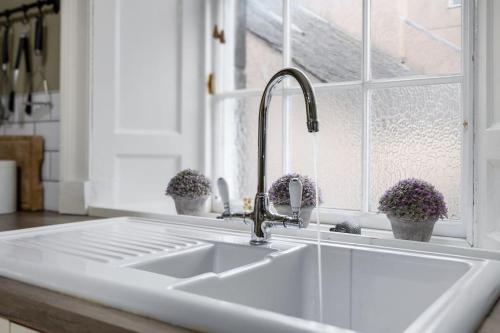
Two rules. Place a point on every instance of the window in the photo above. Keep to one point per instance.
(454, 3)
(392, 85)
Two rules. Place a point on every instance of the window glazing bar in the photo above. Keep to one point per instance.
(285, 102)
(366, 76)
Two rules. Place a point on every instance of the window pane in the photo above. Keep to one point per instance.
(340, 116)
(254, 43)
(236, 144)
(326, 39)
(417, 132)
(415, 37)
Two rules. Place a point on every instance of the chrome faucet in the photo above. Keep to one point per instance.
(263, 219)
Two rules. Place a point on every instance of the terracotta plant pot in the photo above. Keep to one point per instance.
(305, 212)
(188, 206)
(410, 230)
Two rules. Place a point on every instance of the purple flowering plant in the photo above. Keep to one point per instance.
(188, 184)
(413, 199)
(279, 192)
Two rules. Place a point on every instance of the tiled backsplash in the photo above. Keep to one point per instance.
(43, 121)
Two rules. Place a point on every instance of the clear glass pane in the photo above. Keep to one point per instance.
(415, 37)
(236, 144)
(417, 132)
(254, 43)
(340, 115)
(326, 39)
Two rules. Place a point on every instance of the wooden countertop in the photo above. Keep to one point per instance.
(48, 311)
(491, 323)
(22, 220)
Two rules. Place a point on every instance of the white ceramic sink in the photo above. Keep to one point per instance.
(211, 279)
(363, 290)
(216, 258)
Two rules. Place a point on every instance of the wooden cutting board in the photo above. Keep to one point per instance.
(27, 151)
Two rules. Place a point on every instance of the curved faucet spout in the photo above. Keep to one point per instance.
(262, 217)
(311, 113)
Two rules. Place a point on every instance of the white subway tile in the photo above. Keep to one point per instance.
(4, 112)
(50, 133)
(19, 116)
(10, 117)
(54, 166)
(20, 129)
(56, 106)
(38, 113)
(51, 196)
(46, 167)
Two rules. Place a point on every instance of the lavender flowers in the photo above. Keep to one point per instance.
(188, 184)
(413, 199)
(279, 191)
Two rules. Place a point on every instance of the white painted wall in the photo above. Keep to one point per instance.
(147, 92)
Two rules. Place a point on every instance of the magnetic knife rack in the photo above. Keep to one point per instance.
(24, 8)
(39, 5)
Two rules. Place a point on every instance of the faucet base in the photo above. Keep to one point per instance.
(258, 241)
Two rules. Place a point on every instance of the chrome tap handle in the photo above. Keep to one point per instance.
(295, 190)
(224, 194)
(281, 221)
(272, 220)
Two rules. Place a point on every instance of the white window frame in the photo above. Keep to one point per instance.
(462, 228)
(453, 4)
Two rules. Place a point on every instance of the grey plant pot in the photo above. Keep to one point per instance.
(188, 206)
(416, 231)
(305, 212)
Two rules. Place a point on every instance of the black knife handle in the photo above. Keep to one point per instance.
(27, 57)
(39, 35)
(20, 48)
(12, 102)
(27, 109)
(5, 46)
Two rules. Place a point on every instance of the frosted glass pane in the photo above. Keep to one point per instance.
(417, 132)
(254, 43)
(326, 39)
(236, 143)
(415, 37)
(339, 161)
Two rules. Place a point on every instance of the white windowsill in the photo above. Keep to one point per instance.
(368, 235)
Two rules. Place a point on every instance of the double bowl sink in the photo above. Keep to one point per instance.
(212, 280)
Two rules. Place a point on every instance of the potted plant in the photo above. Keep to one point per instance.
(190, 190)
(280, 196)
(413, 206)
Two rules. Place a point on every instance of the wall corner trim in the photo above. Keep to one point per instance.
(74, 197)
(76, 41)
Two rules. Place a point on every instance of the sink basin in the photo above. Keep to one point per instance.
(161, 268)
(362, 290)
(216, 258)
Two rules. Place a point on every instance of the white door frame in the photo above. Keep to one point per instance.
(76, 47)
(487, 126)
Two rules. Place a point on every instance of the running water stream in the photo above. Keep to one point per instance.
(318, 233)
